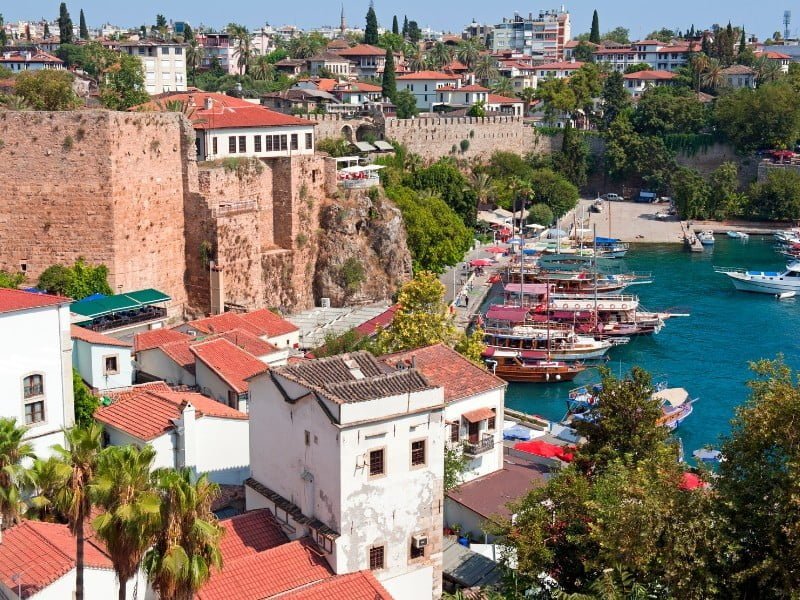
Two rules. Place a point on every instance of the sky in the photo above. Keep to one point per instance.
(762, 18)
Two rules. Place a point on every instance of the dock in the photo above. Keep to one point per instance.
(690, 241)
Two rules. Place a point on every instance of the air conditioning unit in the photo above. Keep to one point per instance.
(325, 302)
(419, 541)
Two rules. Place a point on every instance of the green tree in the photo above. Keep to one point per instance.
(81, 455)
(445, 180)
(456, 465)
(469, 51)
(77, 281)
(335, 147)
(11, 280)
(123, 490)
(64, 25)
(586, 84)
(261, 69)
(47, 89)
(3, 35)
(486, 68)
(663, 110)
(724, 198)
(620, 35)
(395, 26)
(85, 402)
(528, 97)
(84, 31)
(404, 31)
(777, 198)
(558, 97)
(371, 30)
(45, 35)
(615, 98)
(123, 86)
(414, 32)
(406, 105)
(194, 57)
(13, 475)
(572, 161)
(583, 52)
(541, 214)
(244, 48)
(186, 549)
(391, 41)
(188, 34)
(388, 83)
(768, 117)
(594, 35)
(554, 190)
(48, 479)
(478, 109)
(691, 193)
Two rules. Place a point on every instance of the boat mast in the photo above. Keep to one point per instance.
(596, 315)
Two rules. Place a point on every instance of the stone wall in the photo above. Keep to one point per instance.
(708, 159)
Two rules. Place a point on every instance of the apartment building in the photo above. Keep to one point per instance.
(542, 36)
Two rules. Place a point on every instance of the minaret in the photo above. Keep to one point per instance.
(342, 22)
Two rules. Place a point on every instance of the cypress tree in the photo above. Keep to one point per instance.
(742, 42)
(594, 36)
(46, 30)
(388, 84)
(64, 25)
(28, 32)
(188, 34)
(405, 26)
(3, 37)
(395, 26)
(84, 31)
(371, 31)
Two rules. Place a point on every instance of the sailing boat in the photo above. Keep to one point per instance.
(530, 366)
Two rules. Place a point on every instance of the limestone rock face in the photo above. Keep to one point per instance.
(362, 255)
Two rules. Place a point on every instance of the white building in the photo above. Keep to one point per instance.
(557, 70)
(37, 561)
(368, 61)
(464, 96)
(522, 75)
(543, 36)
(505, 105)
(186, 429)
(36, 366)
(424, 86)
(26, 60)
(264, 324)
(350, 452)
(164, 64)
(739, 76)
(219, 48)
(638, 83)
(330, 63)
(779, 57)
(658, 55)
(102, 361)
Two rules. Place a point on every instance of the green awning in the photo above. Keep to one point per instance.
(104, 306)
(149, 296)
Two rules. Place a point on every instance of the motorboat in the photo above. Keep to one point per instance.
(530, 367)
(708, 455)
(738, 235)
(765, 282)
(706, 237)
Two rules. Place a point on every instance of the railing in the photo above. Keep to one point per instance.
(360, 184)
(126, 318)
(224, 209)
(482, 447)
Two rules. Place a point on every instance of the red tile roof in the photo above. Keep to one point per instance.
(361, 50)
(382, 321)
(773, 55)
(263, 323)
(179, 352)
(250, 533)
(275, 571)
(355, 586)
(247, 342)
(146, 412)
(455, 65)
(226, 111)
(427, 76)
(13, 300)
(42, 553)
(651, 75)
(157, 337)
(560, 66)
(322, 83)
(495, 99)
(36, 57)
(232, 364)
(267, 321)
(463, 88)
(93, 337)
(446, 368)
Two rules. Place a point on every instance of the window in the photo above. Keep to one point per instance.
(283, 142)
(376, 466)
(111, 366)
(490, 423)
(268, 143)
(454, 432)
(257, 143)
(376, 558)
(178, 51)
(309, 141)
(233, 399)
(32, 386)
(295, 142)
(307, 436)
(34, 412)
(418, 453)
(232, 144)
(214, 144)
(242, 143)
(417, 552)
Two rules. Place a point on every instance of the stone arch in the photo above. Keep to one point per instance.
(348, 134)
(367, 130)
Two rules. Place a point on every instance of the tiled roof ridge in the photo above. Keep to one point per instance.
(379, 386)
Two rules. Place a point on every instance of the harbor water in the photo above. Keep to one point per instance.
(708, 352)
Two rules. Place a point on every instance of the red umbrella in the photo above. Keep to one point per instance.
(480, 262)
(540, 448)
(496, 250)
(691, 482)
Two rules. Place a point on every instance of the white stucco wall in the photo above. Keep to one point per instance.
(89, 360)
(211, 384)
(38, 341)
(222, 449)
(289, 340)
(154, 362)
(99, 584)
(470, 523)
(490, 461)
(164, 446)
(222, 136)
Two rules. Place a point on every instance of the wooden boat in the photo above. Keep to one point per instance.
(530, 367)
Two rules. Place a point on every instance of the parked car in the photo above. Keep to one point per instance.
(611, 197)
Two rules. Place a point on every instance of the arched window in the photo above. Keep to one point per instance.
(32, 386)
(33, 398)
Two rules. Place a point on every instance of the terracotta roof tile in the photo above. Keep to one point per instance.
(222, 323)
(267, 321)
(650, 76)
(446, 368)
(44, 552)
(93, 337)
(427, 76)
(157, 337)
(560, 66)
(247, 341)
(362, 50)
(382, 321)
(13, 300)
(250, 533)
(355, 586)
(495, 99)
(229, 362)
(180, 353)
(267, 574)
(463, 88)
(149, 412)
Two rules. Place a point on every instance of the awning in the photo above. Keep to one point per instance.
(365, 147)
(149, 296)
(533, 289)
(381, 145)
(674, 396)
(540, 448)
(513, 314)
(104, 306)
(478, 415)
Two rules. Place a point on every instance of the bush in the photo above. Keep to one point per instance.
(336, 147)
(464, 145)
(11, 280)
(352, 274)
(540, 214)
(77, 281)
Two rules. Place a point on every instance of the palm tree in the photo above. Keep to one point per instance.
(699, 64)
(481, 184)
(417, 61)
(712, 76)
(503, 87)
(261, 69)
(194, 56)
(486, 68)
(13, 476)
(468, 52)
(49, 480)
(440, 55)
(186, 547)
(122, 487)
(81, 454)
(766, 70)
(244, 50)
(528, 96)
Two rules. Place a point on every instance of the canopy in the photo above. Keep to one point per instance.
(104, 306)
(606, 241)
(515, 240)
(148, 296)
(691, 482)
(365, 147)
(478, 415)
(514, 314)
(495, 250)
(480, 262)
(674, 396)
(517, 432)
(533, 289)
(540, 448)
(535, 226)
(529, 251)
(381, 145)
(552, 234)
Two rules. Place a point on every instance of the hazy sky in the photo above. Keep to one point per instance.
(762, 17)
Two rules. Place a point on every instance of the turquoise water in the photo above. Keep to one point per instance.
(706, 353)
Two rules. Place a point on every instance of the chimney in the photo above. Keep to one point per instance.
(191, 101)
(186, 430)
(209, 103)
(217, 288)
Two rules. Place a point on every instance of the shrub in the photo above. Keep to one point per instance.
(352, 274)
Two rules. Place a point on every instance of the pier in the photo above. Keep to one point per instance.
(690, 240)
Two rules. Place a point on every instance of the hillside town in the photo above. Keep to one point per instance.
(298, 312)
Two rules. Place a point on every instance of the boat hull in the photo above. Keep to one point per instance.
(536, 374)
(744, 283)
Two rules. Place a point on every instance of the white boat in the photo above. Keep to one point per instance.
(708, 455)
(706, 238)
(788, 236)
(738, 235)
(765, 282)
(784, 295)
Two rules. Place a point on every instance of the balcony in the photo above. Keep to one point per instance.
(126, 318)
(360, 184)
(482, 447)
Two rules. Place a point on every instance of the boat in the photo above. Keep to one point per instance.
(765, 282)
(738, 235)
(706, 237)
(785, 295)
(708, 455)
(611, 247)
(597, 206)
(530, 367)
